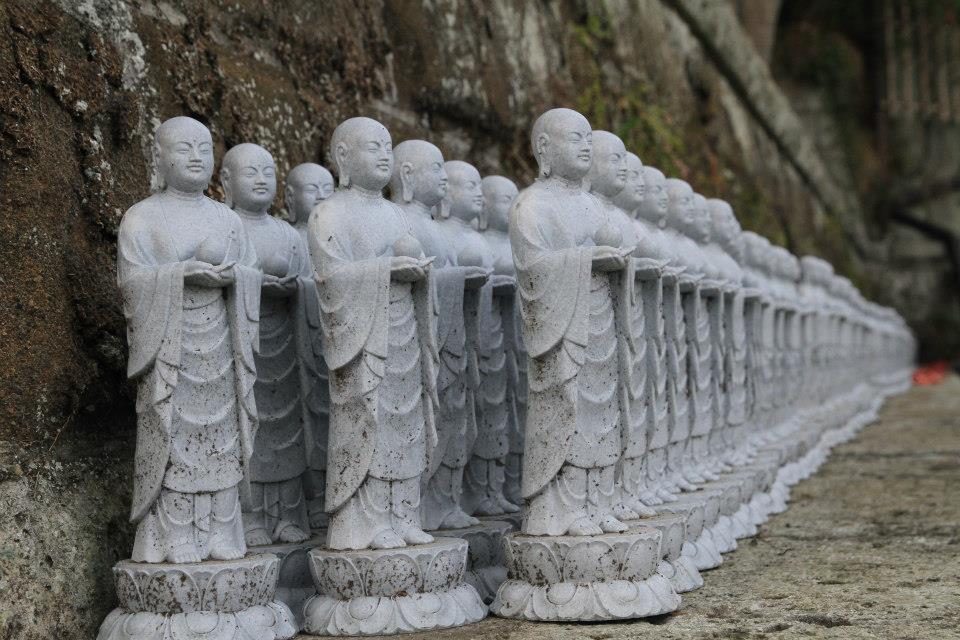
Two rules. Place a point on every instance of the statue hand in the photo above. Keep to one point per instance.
(406, 269)
(278, 287)
(503, 284)
(202, 274)
(608, 259)
(475, 277)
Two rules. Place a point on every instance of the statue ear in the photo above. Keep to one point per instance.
(445, 208)
(542, 140)
(225, 181)
(288, 200)
(157, 181)
(341, 157)
(406, 182)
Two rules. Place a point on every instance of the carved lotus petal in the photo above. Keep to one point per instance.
(175, 589)
(392, 575)
(445, 571)
(672, 539)
(590, 561)
(537, 564)
(128, 589)
(337, 576)
(641, 559)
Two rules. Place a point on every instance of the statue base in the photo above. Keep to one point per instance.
(294, 582)
(612, 576)
(704, 527)
(486, 569)
(388, 591)
(214, 598)
(679, 569)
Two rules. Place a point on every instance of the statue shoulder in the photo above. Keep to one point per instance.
(142, 216)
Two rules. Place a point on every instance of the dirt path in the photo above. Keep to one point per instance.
(869, 548)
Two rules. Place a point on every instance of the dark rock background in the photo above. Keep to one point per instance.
(83, 83)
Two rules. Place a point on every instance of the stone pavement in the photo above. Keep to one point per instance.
(869, 548)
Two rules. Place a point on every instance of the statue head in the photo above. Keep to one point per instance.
(249, 178)
(498, 196)
(307, 184)
(562, 142)
(418, 173)
(608, 171)
(725, 230)
(700, 225)
(183, 156)
(631, 196)
(464, 199)
(681, 209)
(656, 201)
(363, 153)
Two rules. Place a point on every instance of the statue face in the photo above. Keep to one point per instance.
(498, 196)
(307, 185)
(567, 146)
(699, 223)
(427, 176)
(631, 196)
(681, 209)
(465, 195)
(252, 179)
(367, 156)
(656, 200)
(608, 172)
(185, 155)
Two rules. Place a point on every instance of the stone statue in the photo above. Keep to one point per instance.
(418, 185)
(498, 196)
(189, 279)
(728, 254)
(678, 302)
(572, 269)
(306, 186)
(661, 393)
(615, 183)
(497, 428)
(565, 251)
(462, 204)
(378, 341)
(380, 573)
(188, 275)
(275, 508)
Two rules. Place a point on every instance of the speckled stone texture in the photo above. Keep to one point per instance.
(388, 591)
(587, 578)
(228, 599)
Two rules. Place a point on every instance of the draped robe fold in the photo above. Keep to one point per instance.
(379, 347)
(191, 350)
(311, 367)
(567, 318)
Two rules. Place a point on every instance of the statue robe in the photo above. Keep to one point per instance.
(699, 352)
(448, 296)
(678, 389)
(312, 370)
(634, 401)
(378, 345)
(658, 388)
(496, 398)
(279, 452)
(191, 349)
(570, 334)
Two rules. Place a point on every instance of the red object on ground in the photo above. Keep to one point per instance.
(932, 373)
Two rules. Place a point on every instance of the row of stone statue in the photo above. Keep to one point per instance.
(363, 370)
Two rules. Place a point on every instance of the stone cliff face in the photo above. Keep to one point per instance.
(83, 83)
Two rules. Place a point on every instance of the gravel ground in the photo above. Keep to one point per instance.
(869, 548)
